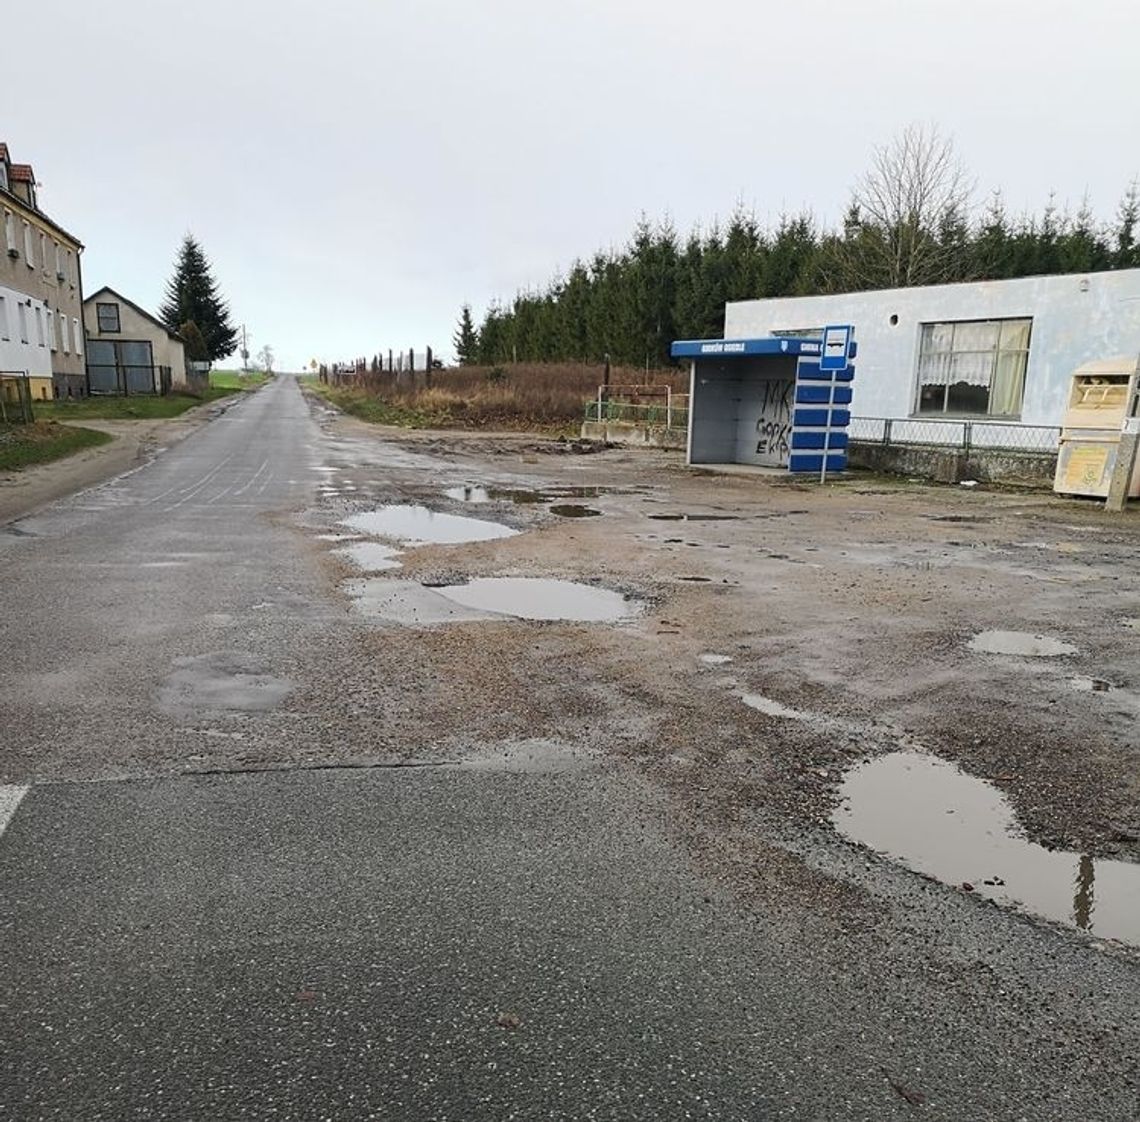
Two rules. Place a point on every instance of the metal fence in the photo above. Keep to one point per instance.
(960, 435)
(628, 405)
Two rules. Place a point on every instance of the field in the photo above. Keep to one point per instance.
(22, 445)
(523, 396)
(236, 379)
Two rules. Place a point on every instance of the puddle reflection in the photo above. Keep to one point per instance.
(936, 819)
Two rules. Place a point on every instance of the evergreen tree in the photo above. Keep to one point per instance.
(466, 338)
(1126, 250)
(196, 350)
(192, 295)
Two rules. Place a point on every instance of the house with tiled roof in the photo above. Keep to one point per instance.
(41, 291)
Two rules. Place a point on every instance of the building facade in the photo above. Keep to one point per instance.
(998, 354)
(129, 351)
(41, 292)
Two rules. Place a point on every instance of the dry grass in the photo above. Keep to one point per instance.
(512, 396)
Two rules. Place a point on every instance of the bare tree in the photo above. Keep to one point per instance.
(264, 359)
(908, 215)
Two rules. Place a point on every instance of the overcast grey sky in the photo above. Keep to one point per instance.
(357, 169)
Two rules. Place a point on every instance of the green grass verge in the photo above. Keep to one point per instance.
(237, 380)
(22, 445)
(142, 407)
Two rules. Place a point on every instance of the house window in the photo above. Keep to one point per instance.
(43, 252)
(51, 333)
(58, 261)
(107, 316)
(77, 335)
(29, 256)
(3, 318)
(63, 334)
(3, 175)
(22, 315)
(973, 367)
(41, 339)
(10, 231)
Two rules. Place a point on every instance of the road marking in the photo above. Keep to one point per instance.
(9, 799)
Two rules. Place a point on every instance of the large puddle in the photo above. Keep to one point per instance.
(541, 598)
(417, 525)
(936, 819)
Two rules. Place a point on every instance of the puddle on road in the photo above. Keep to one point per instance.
(1021, 643)
(542, 599)
(694, 517)
(934, 818)
(371, 557)
(1090, 685)
(710, 659)
(573, 510)
(223, 681)
(473, 493)
(417, 525)
(468, 494)
(773, 708)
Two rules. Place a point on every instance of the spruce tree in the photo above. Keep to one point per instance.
(192, 294)
(466, 338)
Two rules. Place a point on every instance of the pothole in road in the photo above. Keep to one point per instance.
(417, 525)
(695, 517)
(773, 708)
(540, 598)
(573, 510)
(371, 557)
(224, 681)
(934, 818)
(711, 659)
(474, 493)
(536, 756)
(965, 518)
(1022, 643)
(1090, 685)
(532, 598)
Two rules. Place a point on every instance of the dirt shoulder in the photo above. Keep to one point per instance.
(133, 443)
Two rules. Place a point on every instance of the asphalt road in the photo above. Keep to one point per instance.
(517, 939)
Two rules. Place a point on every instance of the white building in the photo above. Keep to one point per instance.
(1002, 352)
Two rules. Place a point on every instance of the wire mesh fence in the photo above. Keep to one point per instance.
(964, 435)
(652, 406)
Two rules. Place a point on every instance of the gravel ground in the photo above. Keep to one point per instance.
(851, 604)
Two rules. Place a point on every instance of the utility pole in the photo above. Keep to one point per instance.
(1121, 481)
(244, 351)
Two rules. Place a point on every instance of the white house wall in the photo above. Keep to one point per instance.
(17, 357)
(1076, 319)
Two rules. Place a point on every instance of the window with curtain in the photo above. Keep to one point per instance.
(973, 367)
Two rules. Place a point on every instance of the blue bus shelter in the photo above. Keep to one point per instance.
(781, 402)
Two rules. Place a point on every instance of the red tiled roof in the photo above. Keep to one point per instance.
(22, 173)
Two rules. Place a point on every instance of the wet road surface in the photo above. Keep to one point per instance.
(509, 937)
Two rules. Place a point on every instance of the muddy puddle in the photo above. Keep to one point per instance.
(473, 493)
(934, 818)
(574, 510)
(695, 517)
(542, 599)
(1022, 643)
(417, 525)
(371, 557)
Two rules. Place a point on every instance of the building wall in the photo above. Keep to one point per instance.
(1076, 319)
(50, 277)
(33, 357)
(165, 351)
